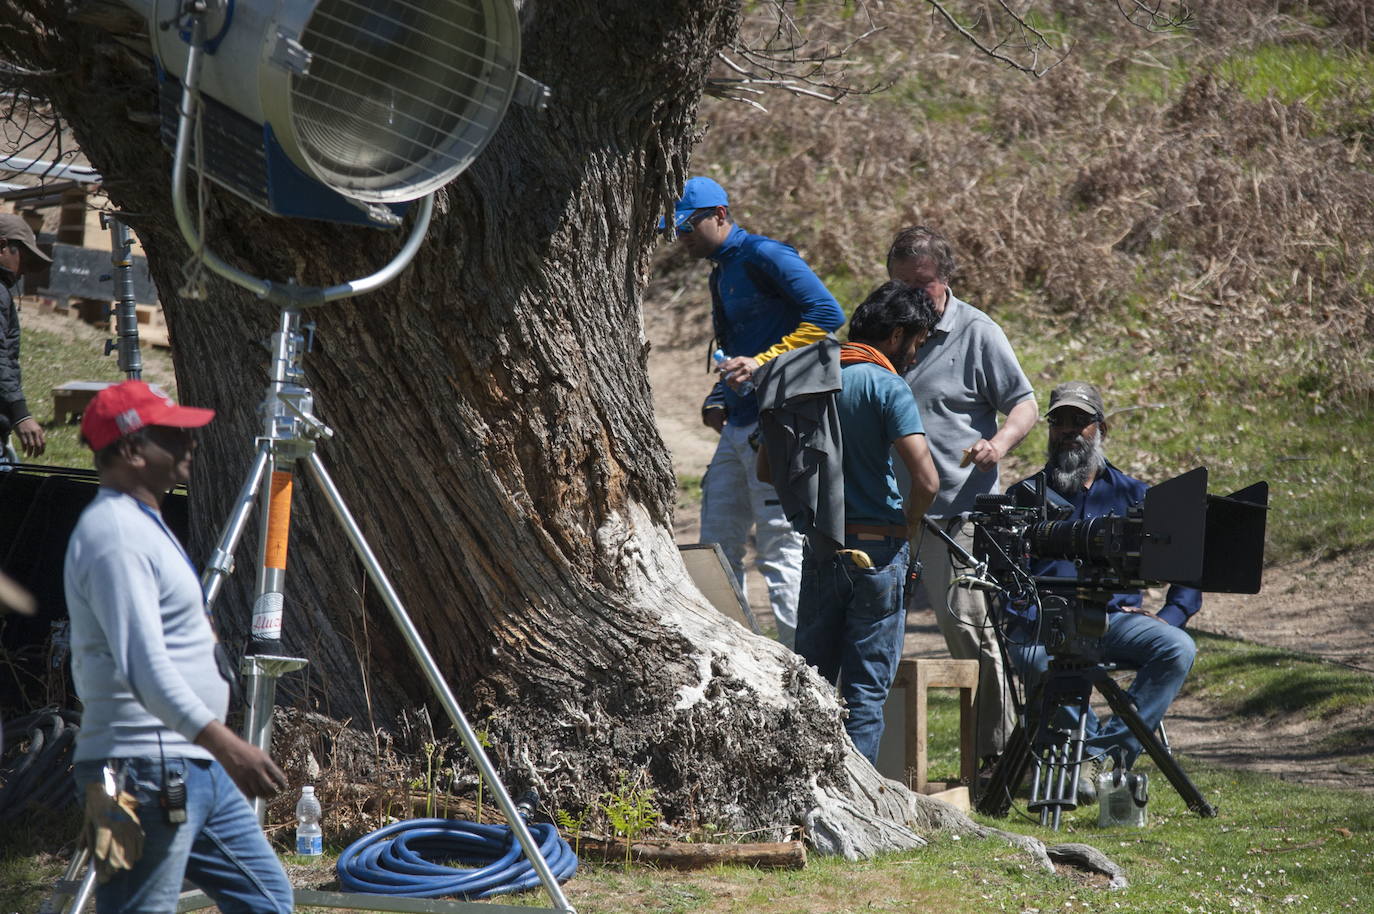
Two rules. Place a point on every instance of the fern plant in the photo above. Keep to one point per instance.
(573, 826)
(631, 811)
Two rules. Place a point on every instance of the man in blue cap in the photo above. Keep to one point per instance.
(765, 301)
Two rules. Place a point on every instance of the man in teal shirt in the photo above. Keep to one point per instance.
(851, 616)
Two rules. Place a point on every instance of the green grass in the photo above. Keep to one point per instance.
(1298, 72)
(688, 490)
(1332, 83)
(1255, 681)
(49, 359)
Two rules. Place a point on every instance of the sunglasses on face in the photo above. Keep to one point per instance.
(687, 226)
(1073, 419)
(172, 440)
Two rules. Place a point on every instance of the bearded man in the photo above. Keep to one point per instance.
(1154, 644)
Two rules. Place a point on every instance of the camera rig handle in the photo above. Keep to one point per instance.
(976, 578)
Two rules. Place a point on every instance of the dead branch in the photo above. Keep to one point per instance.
(787, 59)
(1021, 49)
(1152, 17)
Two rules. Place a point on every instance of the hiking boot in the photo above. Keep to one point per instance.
(1087, 781)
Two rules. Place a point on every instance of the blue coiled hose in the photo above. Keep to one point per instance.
(401, 859)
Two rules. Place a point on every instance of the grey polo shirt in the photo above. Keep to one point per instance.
(964, 376)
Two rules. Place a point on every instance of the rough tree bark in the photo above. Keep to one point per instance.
(496, 438)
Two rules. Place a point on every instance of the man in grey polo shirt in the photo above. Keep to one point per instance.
(965, 375)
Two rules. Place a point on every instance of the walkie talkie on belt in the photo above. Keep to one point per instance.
(173, 797)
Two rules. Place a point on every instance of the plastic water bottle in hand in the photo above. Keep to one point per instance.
(744, 389)
(309, 836)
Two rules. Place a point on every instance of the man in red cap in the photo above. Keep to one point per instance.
(16, 243)
(154, 683)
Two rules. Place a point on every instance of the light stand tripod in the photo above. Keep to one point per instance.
(289, 437)
(290, 433)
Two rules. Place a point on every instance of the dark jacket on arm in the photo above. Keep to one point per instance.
(801, 431)
(13, 407)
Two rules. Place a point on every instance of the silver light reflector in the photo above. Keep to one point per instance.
(400, 97)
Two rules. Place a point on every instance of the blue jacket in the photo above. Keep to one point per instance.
(1112, 492)
(765, 301)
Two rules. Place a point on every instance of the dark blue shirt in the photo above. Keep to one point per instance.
(1112, 492)
(761, 291)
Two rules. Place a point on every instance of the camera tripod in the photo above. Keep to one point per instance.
(291, 431)
(1057, 751)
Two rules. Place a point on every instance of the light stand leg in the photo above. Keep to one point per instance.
(80, 868)
(221, 563)
(320, 475)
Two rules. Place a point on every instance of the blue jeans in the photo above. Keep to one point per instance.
(220, 847)
(1161, 654)
(851, 622)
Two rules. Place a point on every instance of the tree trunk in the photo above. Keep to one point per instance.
(495, 438)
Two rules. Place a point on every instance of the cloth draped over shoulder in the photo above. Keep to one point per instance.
(855, 353)
(801, 430)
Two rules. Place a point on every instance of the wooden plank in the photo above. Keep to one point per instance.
(681, 855)
(708, 569)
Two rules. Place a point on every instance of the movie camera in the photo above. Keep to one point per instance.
(1178, 535)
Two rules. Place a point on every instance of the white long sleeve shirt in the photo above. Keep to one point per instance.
(142, 646)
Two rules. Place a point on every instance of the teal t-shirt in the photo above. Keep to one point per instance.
(876, 407)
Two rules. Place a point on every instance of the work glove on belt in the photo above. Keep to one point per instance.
(111, 829)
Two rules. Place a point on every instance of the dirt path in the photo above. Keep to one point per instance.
(1325, 609)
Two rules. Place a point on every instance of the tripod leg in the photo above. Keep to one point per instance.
(1010, 770)
(1006, 777)
(80, 893)
(436, 679)
(1123, 707)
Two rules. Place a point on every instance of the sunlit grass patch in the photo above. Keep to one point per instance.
(1257, 681)
(1297, 72)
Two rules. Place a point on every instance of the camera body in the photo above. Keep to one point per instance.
(1179, 534)
(1010, 536)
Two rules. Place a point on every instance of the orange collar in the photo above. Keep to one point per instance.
(851, 353)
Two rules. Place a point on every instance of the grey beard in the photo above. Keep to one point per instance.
(1070, 468)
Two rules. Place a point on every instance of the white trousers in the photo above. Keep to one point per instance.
(733, 501)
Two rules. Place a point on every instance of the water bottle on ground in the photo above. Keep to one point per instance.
(1121, 798)
(309, 836)
(744, 389)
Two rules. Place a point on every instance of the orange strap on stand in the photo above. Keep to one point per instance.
(278, 521)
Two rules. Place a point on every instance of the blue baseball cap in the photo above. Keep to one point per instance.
(697, 193)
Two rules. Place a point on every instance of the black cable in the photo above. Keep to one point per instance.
(36, 769)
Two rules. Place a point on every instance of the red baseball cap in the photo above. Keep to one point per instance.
(124, 408)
